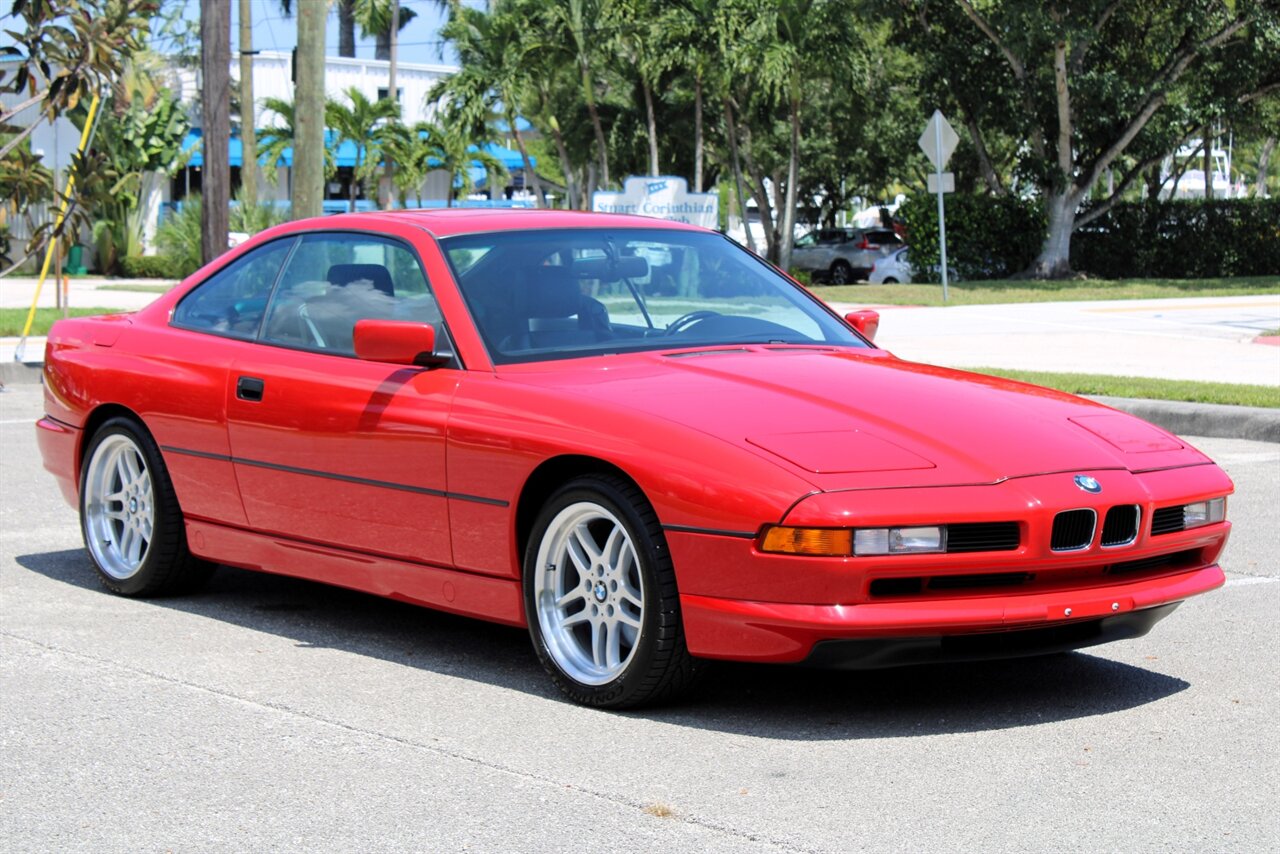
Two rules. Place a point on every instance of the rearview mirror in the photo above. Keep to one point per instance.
(399, 342)
(866, 321)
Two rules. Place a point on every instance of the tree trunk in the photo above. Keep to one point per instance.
(308, 149)
(697, 132)
(731, 131)
(248, 112)
(651, 126)
(566, 165)
(215, 66)
(355, 179)
(761, 193)
(1208, 168)
(388, 177)
(1054, 261)
(588, 88)
(1264, 166)
(529, 172)
(346, 27)
(788, 235)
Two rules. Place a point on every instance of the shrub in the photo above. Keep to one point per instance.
(149, 267)
(988, 237)
(1189, 239)
(178, 237)
(251, 220)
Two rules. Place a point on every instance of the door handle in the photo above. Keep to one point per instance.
(249, 388)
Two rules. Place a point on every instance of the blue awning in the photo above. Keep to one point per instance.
(345, 153)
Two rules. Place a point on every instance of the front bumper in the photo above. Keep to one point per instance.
(782, 632)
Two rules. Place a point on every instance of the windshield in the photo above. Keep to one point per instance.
(556, 294)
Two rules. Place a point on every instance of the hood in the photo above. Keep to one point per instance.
(864, 419)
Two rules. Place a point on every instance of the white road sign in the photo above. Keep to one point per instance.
(947, 180)
(938, 140)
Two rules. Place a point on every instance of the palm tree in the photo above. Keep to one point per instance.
(276, 140)
(309, 152)
(359, 123)
(494, 72)
(440, 145)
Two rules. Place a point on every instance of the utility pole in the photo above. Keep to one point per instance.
(215, 69)
(308, 144)
(248, 111)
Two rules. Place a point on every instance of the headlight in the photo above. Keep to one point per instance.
(895, 541)
(1204, 513)
(843, 542)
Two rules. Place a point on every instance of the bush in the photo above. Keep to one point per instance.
(251, 220)
(988, 237)
(178, 237)
(148, 267)
(1189, 239)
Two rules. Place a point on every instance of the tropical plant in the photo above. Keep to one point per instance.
(362, 122)
(178, 236)
(277, 138)
(494, 75)
(446, 145)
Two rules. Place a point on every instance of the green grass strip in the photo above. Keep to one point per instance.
(13, 319)
(1148, 388)
(1068, 290)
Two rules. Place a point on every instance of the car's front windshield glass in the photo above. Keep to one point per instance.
(565, 293)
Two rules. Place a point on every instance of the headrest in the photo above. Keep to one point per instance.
(551, 292)
(342, 275)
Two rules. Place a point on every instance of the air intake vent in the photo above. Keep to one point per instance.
(1167, 520)
(983, 537)
(1073, 530)
(1121, 525)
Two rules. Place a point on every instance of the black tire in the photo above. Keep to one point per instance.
(889, 280)
(164, 565)
(658, 667)
(841, 273)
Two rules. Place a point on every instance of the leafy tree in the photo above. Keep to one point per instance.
(1096, 87)
(359, 123)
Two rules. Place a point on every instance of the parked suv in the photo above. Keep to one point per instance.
(842, 255)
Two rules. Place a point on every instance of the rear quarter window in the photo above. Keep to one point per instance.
(232, 301)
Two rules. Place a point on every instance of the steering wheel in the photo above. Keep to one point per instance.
(684, 321)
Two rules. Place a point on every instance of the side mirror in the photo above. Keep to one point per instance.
(398, 342)
(864, 320)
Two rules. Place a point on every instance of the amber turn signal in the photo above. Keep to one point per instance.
(825, 542)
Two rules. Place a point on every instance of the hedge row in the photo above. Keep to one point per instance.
(150, 267)
(988, 237)
(1182, 240)
(991, 237)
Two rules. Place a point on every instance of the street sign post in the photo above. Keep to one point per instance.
(938, 142)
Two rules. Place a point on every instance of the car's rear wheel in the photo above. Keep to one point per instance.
(890, 280)
(841, 273)
(601, 597)
(130, 518)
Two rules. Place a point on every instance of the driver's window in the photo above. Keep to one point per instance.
(808, 240)
(232, 300)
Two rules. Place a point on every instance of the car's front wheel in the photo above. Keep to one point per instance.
(130, 518)
(601, 597)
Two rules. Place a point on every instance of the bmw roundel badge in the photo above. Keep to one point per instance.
(1088, 484)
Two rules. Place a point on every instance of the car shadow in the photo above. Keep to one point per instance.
(768, 701)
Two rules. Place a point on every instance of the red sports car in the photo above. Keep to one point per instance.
(633, 437)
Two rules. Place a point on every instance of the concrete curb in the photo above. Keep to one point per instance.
(1203, 419)
(18, 373)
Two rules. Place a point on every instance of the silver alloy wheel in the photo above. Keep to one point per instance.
(118, 510)
(589, 593)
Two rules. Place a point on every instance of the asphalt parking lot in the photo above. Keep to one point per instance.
(274, 714)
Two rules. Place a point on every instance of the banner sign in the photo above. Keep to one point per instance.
(664, 197)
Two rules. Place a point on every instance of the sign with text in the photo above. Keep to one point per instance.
(662, 197)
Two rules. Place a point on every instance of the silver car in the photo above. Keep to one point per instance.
(842, 255)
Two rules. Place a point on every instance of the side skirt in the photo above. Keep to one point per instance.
(484, 597)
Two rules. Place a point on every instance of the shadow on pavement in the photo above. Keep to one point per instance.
(766, 701)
